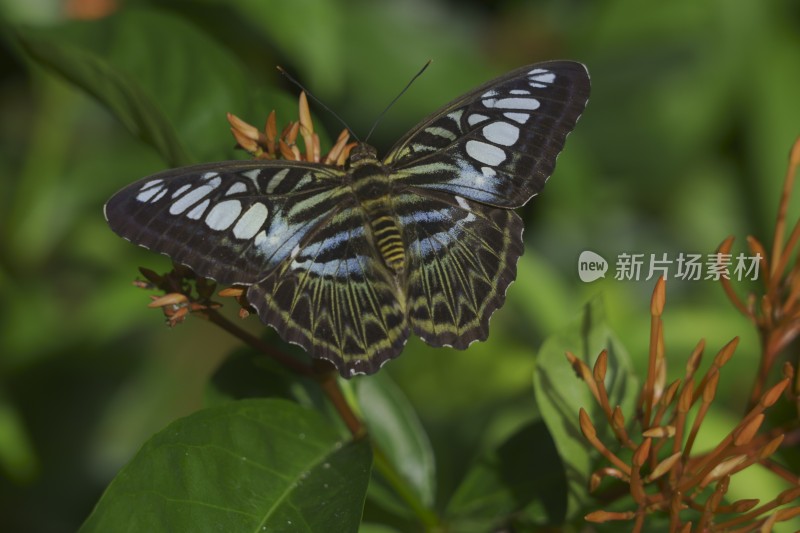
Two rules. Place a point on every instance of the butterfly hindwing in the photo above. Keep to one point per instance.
(335, 298)
(462, 258)
(231, 221)
(498, 143)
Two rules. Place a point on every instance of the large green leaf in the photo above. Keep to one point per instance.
(398, 432)
(164, 79)
(246, 373)
(560, 394)
(120, 93)
(309, 33)
(251, 465)
(523, 470)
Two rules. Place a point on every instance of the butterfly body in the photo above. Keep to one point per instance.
(348, 262)
(372, 187)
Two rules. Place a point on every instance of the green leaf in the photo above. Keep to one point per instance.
(172, 91)
(247, 373)
(18, 460)
(560, 394)
(523, 470)
(310, 33)
(252, 465)
(394, 426)
(120, 93)
(376, 528)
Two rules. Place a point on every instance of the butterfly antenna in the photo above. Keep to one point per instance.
(396, 98)
(317, 100)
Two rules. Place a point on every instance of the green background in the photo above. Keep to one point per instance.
(693, 110)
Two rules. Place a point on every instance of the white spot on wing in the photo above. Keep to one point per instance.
(252, 220)
(513, 103)
(521, 118)
(147, 194)
(236, 188)
(295, 251)
(489, 172)
(160, 195)
(520, 91)
(542, 76)
(223, 214)
(476, 118)
(485, 153)
(501, 133)
(198, 210)
(455, 116)
(181, 190)
(209, 175)
(195, 195)
(253, 175)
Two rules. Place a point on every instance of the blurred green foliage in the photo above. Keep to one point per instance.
(683, 143)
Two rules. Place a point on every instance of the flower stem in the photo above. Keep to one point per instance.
(291, 363)
(382, 464)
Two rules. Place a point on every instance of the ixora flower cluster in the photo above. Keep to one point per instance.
(268, 144)
(664, 474)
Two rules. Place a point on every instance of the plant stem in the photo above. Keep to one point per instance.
(428, 518)
(332, 390)
(293, 364)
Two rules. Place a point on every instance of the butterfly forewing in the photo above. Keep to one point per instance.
(232, 221)
(497, 144)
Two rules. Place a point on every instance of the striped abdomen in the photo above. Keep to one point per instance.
(387, 236)
(372, 188)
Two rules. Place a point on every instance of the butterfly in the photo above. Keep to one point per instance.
(348, 261)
